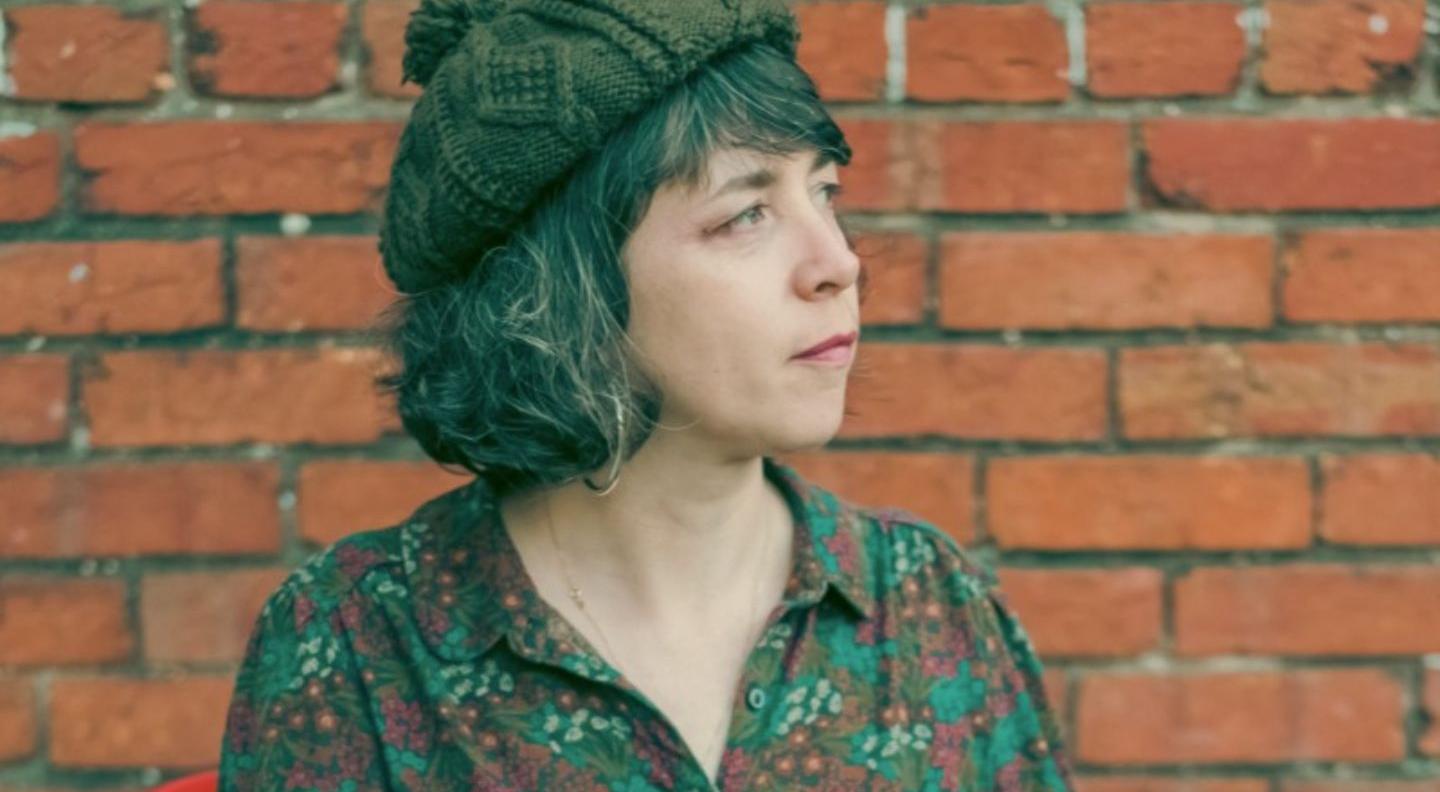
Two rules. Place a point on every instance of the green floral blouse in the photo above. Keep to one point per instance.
(420, 657)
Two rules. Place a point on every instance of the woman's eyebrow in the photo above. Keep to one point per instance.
(765, 176)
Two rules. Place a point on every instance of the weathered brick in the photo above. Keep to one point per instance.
(1099, 280)
(1140, 49)
(29, 176)
(131, 509)
(163, 397)
(1351, 714)
(1329, 46)
(1286, 164)
(34, 398)
(1080, 167)
(1087, 612)
(1151, 502)
(202, 617)
(1380, 499)
(842, 46)
(1430, 706)
(976, 391)
(382, 26)
(1367, 785)
(234, 167)
(898, 279)
(1166, 784)
(988, 53)
(274, 49)
(17, 719)
(309, 283)
(63, 621)
(86, 53)
(1308, 609)
(1273, 389)
(341, 497)
(937, 488)
(74, 288)
(104, 722)
(1363, 275)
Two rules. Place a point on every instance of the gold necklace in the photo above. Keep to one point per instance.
(579, 600)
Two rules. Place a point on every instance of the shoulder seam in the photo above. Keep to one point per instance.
(324, 562)
(976, 569)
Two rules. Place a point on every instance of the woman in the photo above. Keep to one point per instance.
(613, 223)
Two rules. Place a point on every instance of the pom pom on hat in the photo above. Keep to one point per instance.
(434, 31)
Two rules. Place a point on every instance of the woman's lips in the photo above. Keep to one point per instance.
(834, 355)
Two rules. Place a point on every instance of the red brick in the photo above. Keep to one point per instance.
(988, 53)
(75, 288)
(276, 49)
(898, 277)
(63, 621)
(17, 719)
(1137, 50)
(988, 166)
(1163, 784)
(1274, 389)
(976, 391)
(309, 283)
(1381, 499)
(1087, 612)
(1148, 502)
(1283, 164)
(842, 46)
(1367, 785)
(234, 167)
(114, 722)
(382, 26)
(203, 617)
(87, 53)
(342, 497)
(1430, 705)
(1101, 280)
(1363, 275)
(1056, 683)
(29, 176)
(1328, 46)
(164, 397)
(1308, 609)
(937, 488)
(130, 509)
(1352, 714)
(34, 398)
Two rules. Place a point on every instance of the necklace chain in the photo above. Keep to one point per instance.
(578, 598)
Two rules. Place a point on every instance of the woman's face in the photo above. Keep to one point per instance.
(728, 282)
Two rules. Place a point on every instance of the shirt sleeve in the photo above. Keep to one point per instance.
(298, 717)
(1036, 755)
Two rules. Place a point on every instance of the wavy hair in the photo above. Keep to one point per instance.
(517, 371)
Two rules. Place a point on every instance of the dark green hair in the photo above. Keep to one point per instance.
(515, 372)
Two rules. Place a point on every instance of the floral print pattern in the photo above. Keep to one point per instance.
(420, 657)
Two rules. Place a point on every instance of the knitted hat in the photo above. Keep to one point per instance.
(518, 92)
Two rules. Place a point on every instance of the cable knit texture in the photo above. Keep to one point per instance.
(518, 92)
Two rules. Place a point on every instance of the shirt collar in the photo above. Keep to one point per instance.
(469, 587)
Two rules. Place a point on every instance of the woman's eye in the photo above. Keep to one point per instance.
(831, 190)
(736, 220)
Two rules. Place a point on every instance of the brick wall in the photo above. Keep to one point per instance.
(1153, 329)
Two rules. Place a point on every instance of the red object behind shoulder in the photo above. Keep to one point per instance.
(207, 781)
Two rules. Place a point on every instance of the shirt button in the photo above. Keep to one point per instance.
(755, 698)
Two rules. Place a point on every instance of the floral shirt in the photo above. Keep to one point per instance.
(420, 657)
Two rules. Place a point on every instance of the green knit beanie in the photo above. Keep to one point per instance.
(517, 93)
